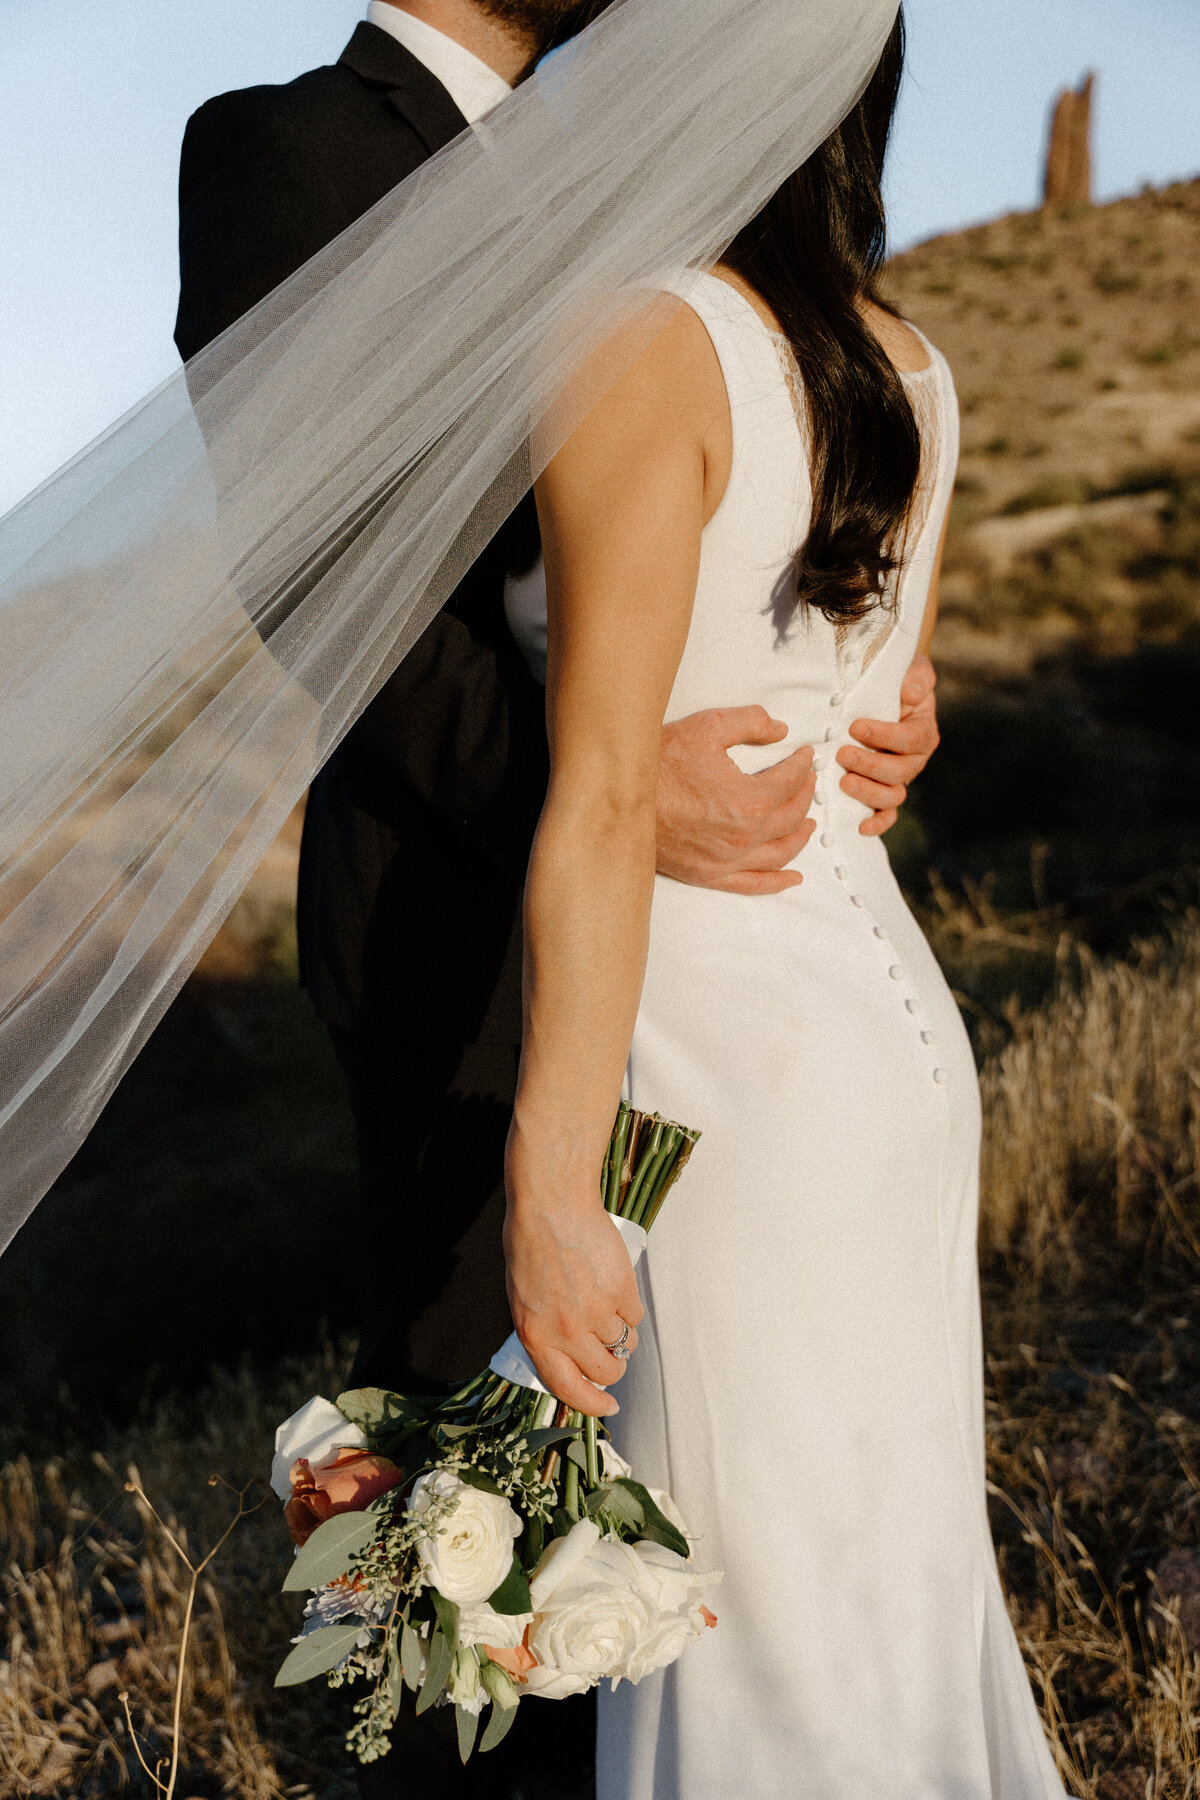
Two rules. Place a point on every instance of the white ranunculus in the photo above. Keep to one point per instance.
(467, 1553)
(603, 1608)
(315, 1433)
(482, 1624)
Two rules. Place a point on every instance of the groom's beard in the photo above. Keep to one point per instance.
(543, 23)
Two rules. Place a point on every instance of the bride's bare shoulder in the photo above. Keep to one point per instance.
(905, 347)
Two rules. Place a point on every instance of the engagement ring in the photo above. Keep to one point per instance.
(618, 1349)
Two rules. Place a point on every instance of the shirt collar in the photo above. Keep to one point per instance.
(474, 87)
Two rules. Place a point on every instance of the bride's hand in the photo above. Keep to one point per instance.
(571, 1284)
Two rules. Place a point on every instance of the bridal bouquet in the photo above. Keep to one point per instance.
(489, 1545)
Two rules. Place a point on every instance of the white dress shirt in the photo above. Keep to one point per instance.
(474, 87)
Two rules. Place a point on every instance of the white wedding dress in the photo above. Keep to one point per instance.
(809, 1379)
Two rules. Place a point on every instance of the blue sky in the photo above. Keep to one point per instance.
(96, 94)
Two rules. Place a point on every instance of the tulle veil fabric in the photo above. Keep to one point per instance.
(197, 607)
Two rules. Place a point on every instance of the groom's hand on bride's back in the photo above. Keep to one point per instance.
(720, 828)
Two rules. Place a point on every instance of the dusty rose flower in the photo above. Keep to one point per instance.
(347, 1483)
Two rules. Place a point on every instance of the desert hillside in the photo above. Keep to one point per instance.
(1074, 337)
(1069, 641)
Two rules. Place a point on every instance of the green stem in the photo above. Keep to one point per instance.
(590, 1444)
(649, 1188)
(677, 1167)
(616, 1159)
(629, 1207)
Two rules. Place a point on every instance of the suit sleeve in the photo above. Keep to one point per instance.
(460, 721)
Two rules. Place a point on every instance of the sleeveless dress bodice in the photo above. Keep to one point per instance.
(809, 1379)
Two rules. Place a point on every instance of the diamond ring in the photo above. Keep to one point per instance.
(618, 1349)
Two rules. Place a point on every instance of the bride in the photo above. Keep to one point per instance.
(760, 502)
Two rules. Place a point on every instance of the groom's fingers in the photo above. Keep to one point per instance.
(879, 822)
(785, 782)
(732, 725)
(772, 857)
(879, 794)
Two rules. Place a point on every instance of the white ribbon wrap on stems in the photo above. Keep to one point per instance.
(512, 1359)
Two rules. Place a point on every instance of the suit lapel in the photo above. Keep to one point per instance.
(416, 95)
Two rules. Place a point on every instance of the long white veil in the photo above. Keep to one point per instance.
(195, 609)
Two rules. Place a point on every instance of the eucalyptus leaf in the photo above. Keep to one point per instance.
(549, 1434)
(533, 1543)
(376, 1410)
(663, 1532)
(512, 1596)
(625, 1506)
(498, 1727)
(331, 1550)
(477, 1479)
(563, 1522)
(468, 1725)
(447, 1617)
(578, 1454)
(411, 1660)
(669, 1538)
(599, 1497)
(438, 1672)
(395, 1679)
(317, 1653)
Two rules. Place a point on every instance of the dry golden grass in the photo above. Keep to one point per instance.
(1091, 1249)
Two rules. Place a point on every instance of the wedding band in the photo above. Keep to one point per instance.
(618, 1349)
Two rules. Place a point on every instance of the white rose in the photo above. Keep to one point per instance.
(603, 1608)
(467, 1554)
(590, 1612)
(315, 1433)
(675, 1589)
(482, 1624)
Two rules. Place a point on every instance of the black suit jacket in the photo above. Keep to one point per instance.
(419, 827)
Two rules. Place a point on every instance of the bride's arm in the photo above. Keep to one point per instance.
(621, 507)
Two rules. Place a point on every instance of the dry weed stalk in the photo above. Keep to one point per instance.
(196, 1571)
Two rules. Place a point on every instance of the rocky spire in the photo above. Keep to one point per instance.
(1069, 157)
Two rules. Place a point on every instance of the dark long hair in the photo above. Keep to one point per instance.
(814, 253)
